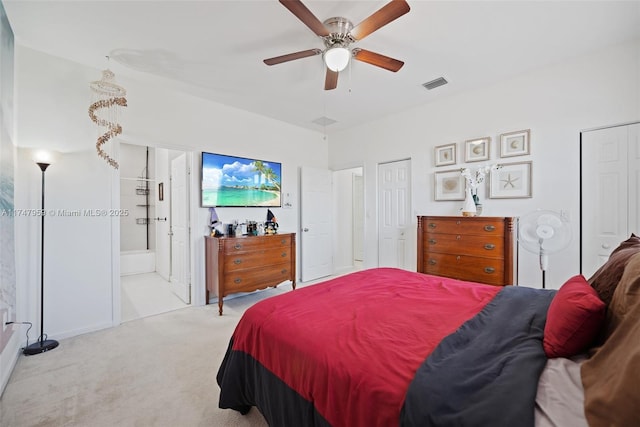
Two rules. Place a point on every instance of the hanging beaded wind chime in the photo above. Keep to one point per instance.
(104, 111)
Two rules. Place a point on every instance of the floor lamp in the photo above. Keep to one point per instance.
(43, 160)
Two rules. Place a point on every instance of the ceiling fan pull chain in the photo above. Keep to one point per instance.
(350, 70)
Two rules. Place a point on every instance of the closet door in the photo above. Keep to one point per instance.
(610, 187)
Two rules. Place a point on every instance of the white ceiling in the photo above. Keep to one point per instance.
(215, 48)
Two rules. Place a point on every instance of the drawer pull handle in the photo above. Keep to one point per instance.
(283, 271)
(238, 246)
(458, 258)
(237, 261)
(237, 281)
(458, 237)
(489, 246)
(489, 227)
(284, 254)
(489, 270)
(283, 241)
(458, 222)
(432, 261)
(432, 225)
(432, 241)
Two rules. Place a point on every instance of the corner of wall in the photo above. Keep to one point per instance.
(8, 360)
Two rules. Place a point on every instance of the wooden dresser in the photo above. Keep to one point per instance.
(476, 249)
(248, 263)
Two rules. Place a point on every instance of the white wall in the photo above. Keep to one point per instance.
(555, 102)
(342, 214)
(77, 251)
(52, 113)
(162, 211)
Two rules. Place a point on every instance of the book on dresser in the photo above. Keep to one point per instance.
(248, 263)
(475, 249)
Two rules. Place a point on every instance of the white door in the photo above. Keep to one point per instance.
(358, 217)
(609, 192)
(394, 205)
(180, 280)
(315, 220)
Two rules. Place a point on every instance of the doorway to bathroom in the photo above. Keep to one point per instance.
(154, 248)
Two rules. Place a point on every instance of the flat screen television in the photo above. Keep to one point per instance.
(230, 181)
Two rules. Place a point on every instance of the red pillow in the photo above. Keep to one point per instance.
(575, 317)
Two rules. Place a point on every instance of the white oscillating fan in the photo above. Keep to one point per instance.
(544, 233)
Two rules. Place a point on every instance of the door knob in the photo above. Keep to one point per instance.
(305, 229)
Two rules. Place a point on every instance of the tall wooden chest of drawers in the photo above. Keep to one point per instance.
(248, 263)
(476, 249)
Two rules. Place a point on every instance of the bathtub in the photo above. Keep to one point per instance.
(137, 262)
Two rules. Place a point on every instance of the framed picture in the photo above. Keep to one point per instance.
(449, 185)
(445, 155)
(476, 150)
(514, 143)
(511, 181)
(161, 191)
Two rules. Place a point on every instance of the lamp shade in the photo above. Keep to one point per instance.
(44, 156)
(337, 58)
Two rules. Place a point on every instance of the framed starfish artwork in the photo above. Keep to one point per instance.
(511, 181)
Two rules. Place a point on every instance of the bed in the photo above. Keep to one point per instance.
(387, 347)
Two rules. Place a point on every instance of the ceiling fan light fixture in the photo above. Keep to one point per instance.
(337, 58)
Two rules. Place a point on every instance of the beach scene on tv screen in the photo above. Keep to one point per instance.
(235, 181)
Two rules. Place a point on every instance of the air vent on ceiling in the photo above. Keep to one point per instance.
(435, 83)
(324, 121)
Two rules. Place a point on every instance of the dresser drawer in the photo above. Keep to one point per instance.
(470, 226)
(465, 244)
(242, 260)
(256, 278)
(463, 267)
(244, 244)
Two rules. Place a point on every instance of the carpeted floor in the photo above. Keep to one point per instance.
(155, 371)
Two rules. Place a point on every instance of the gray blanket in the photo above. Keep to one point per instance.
(486, 373)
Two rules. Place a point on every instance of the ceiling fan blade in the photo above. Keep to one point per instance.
(389, 12)
(331, 80)
(291, 56)
(377, 59)
(309, 19)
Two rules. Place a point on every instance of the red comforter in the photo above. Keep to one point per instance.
(357, 339)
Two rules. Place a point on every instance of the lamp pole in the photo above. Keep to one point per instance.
(42, 345)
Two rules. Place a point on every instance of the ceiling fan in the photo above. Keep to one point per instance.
(338, 34)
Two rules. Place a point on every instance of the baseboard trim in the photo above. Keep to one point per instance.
(74, 332)
(13, 350)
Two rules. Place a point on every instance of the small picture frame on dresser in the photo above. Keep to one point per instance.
(445, 155)
(477, 150)
(511, 181)
(449, 185)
